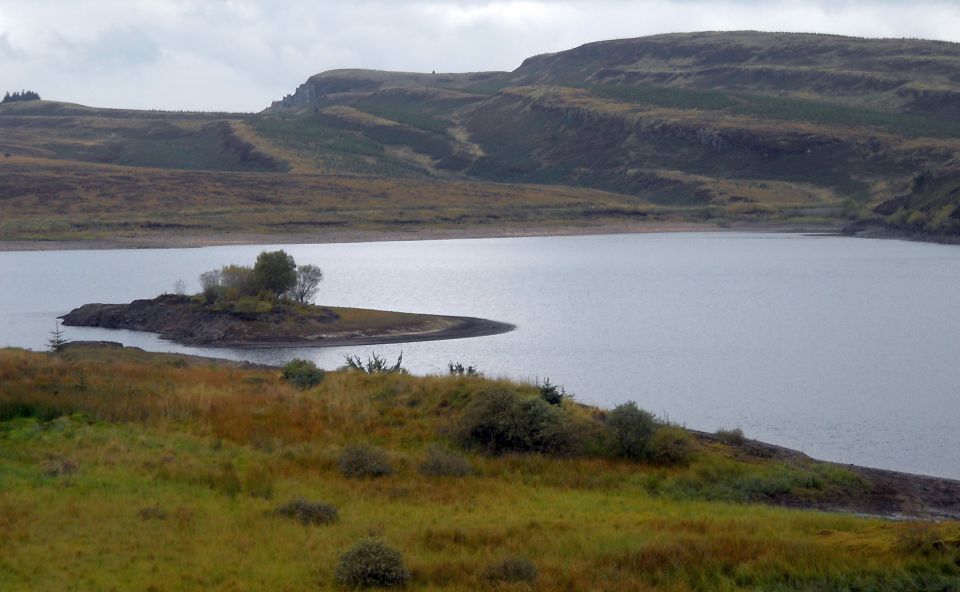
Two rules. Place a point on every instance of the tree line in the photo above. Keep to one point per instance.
(274, 276)
(23, 95)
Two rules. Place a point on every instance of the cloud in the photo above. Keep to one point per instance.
(240, 55)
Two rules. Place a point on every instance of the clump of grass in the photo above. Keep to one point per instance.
(309, 513)
(733, 437)
(363, 460)
(153, 512)
(60, 468)
(372, 563)
(442, 463)
(303, 374)
(511, 570)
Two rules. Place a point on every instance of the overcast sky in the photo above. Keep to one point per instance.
(240, 55)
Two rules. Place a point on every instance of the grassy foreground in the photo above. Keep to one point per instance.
(131, 471)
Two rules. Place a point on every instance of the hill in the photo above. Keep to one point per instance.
(716, 127)
(166, 472)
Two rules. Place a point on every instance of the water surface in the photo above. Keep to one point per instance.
(843, 348)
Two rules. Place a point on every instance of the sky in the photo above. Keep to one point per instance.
(235, 55)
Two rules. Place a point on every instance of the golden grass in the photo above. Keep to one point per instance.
(166, 475)
(57, 200)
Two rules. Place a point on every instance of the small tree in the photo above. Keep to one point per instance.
(275, 272)
(57, 342)
(307, 284)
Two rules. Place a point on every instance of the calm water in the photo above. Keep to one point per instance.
(844, 348)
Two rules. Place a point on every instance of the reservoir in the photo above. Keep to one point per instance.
(844, 348)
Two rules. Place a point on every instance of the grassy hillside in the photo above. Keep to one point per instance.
(676, 119)
(701, 127)
(42, 199)
(152, 471)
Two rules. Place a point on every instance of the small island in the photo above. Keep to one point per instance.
(268, 305)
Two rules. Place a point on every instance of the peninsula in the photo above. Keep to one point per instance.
(186, 320)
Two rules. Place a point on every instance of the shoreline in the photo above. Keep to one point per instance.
(896, 495)
(467, 327)
(361, 236)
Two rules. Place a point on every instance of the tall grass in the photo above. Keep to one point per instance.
(178, 466)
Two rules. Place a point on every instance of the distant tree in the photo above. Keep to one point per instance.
(308, 282)
(275, 272)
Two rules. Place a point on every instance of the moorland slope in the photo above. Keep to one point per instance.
(698, 127)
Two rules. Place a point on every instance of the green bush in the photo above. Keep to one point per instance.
(441, 463)
(372, 563)
(309, 513)
(362, 460)
(511, 570)
(671, 445)
(303, 374)
(632, 429)
(733, 437)
(500, 420)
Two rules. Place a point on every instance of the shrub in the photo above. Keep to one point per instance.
(303, 374)
(309, 513)
(441, 463)
(733, 437)
(459, 369)
(375, 364)
(369, 563)
(512, 570)
(671, 445)
(632, 429)
(362, 460)
(500, 421)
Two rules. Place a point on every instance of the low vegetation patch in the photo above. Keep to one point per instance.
(372, 563)
(363, 460)
(309, 513)
(511, 570)
(443, 463)
(733, 437)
